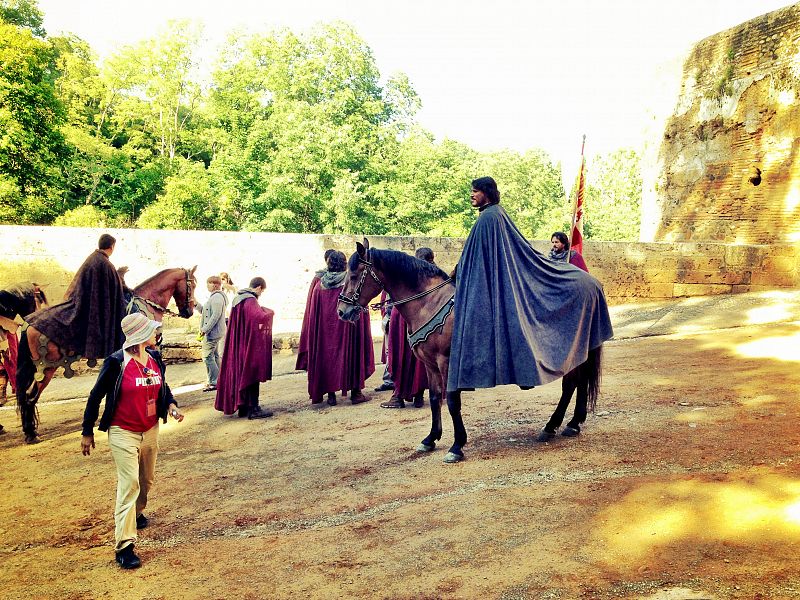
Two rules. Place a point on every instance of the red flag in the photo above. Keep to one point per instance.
(576, 234)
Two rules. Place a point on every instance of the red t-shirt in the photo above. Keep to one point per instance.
(138, 395)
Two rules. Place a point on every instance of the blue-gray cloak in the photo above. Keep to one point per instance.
(520, 317)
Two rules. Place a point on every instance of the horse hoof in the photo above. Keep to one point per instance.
(452, 457)
(570, 432)
(426, 448)
(544, 436)
(32, 439)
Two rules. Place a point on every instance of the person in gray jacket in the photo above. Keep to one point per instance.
(212, 329)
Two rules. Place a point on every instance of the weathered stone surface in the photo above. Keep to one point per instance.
(724, 165)
(700, 289)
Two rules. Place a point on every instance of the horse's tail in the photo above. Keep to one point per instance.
(27, 388)
(594, 373)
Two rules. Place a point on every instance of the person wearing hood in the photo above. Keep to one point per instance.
(247, 359)
(340, 355)
(302, 346)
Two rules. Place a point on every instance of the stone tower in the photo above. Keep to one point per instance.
(724, 164)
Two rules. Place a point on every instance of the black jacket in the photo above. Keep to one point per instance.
(108, 383)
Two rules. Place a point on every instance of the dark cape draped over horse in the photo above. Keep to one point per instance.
(425, 296)
(40, 355)
(520, 318)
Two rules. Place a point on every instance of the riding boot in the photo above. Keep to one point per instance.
(357, 397)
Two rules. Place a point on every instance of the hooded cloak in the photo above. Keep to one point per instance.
(340, 354)
(408, 372)
(248, 351)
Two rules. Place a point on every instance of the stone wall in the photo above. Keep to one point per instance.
(723, 163)
(629, 271)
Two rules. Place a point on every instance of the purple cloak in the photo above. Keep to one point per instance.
(302, 346)
(247, 358)
(340, 355)
(408, 372)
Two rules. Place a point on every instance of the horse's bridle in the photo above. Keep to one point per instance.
(164, 309)
(353, 300)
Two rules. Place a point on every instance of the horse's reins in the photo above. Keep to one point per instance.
(353, 300)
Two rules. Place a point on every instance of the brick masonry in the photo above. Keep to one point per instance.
(724, 155)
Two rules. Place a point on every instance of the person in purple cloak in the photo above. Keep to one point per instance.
(340, 354)
(247, 359)
(302, 346)
(410, 377)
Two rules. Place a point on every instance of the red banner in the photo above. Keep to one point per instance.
(576, 235)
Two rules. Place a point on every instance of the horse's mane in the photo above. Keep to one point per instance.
(20, 298)
(409, 269)
(153, 278)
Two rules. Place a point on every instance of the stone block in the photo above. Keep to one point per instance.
(638, 290)
(775, 278)
(780, 264)
(714, 277)
(700, 289)
(738, 255)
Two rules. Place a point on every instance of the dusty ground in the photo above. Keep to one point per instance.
(685, 484)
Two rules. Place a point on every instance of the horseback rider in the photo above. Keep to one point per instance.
(515, 309)
(87, 321)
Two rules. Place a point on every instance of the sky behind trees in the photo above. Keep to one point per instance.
(513, 74)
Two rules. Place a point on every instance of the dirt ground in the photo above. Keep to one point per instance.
(684, 484)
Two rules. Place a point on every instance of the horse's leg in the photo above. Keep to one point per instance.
(568, 384)
(456, 454)
(435, 382)
(28, 391)
(573, 428)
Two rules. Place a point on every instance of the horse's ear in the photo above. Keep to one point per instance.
(362, 252)
(192, 270)
(366, 243)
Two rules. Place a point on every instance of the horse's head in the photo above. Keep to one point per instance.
(184, 293)
(22, 300)
(361, 284)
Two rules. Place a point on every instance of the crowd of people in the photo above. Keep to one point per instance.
(236, 347)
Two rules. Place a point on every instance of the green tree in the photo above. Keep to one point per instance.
(614, 197)
(32, 148)
(188, 200)
(23, 13)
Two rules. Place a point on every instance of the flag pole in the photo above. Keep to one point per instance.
(578, 200)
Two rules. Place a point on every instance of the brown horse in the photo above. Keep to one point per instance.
(39, 357)
(424, 295)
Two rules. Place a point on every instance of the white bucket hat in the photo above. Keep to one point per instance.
(137, 329)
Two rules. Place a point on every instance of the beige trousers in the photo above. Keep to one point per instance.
(134, 455)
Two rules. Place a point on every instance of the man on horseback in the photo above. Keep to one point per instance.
(87, 321)
(519, 318)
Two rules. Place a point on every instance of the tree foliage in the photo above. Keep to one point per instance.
(292, 132)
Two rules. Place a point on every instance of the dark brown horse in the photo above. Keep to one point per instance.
(15, 302)
(39, 357)
(424, 295)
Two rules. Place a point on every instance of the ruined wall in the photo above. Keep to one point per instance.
(725, 166)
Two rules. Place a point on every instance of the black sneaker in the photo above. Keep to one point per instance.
(127, 559)
(256, 412)
(141, 521)
(384, 387)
